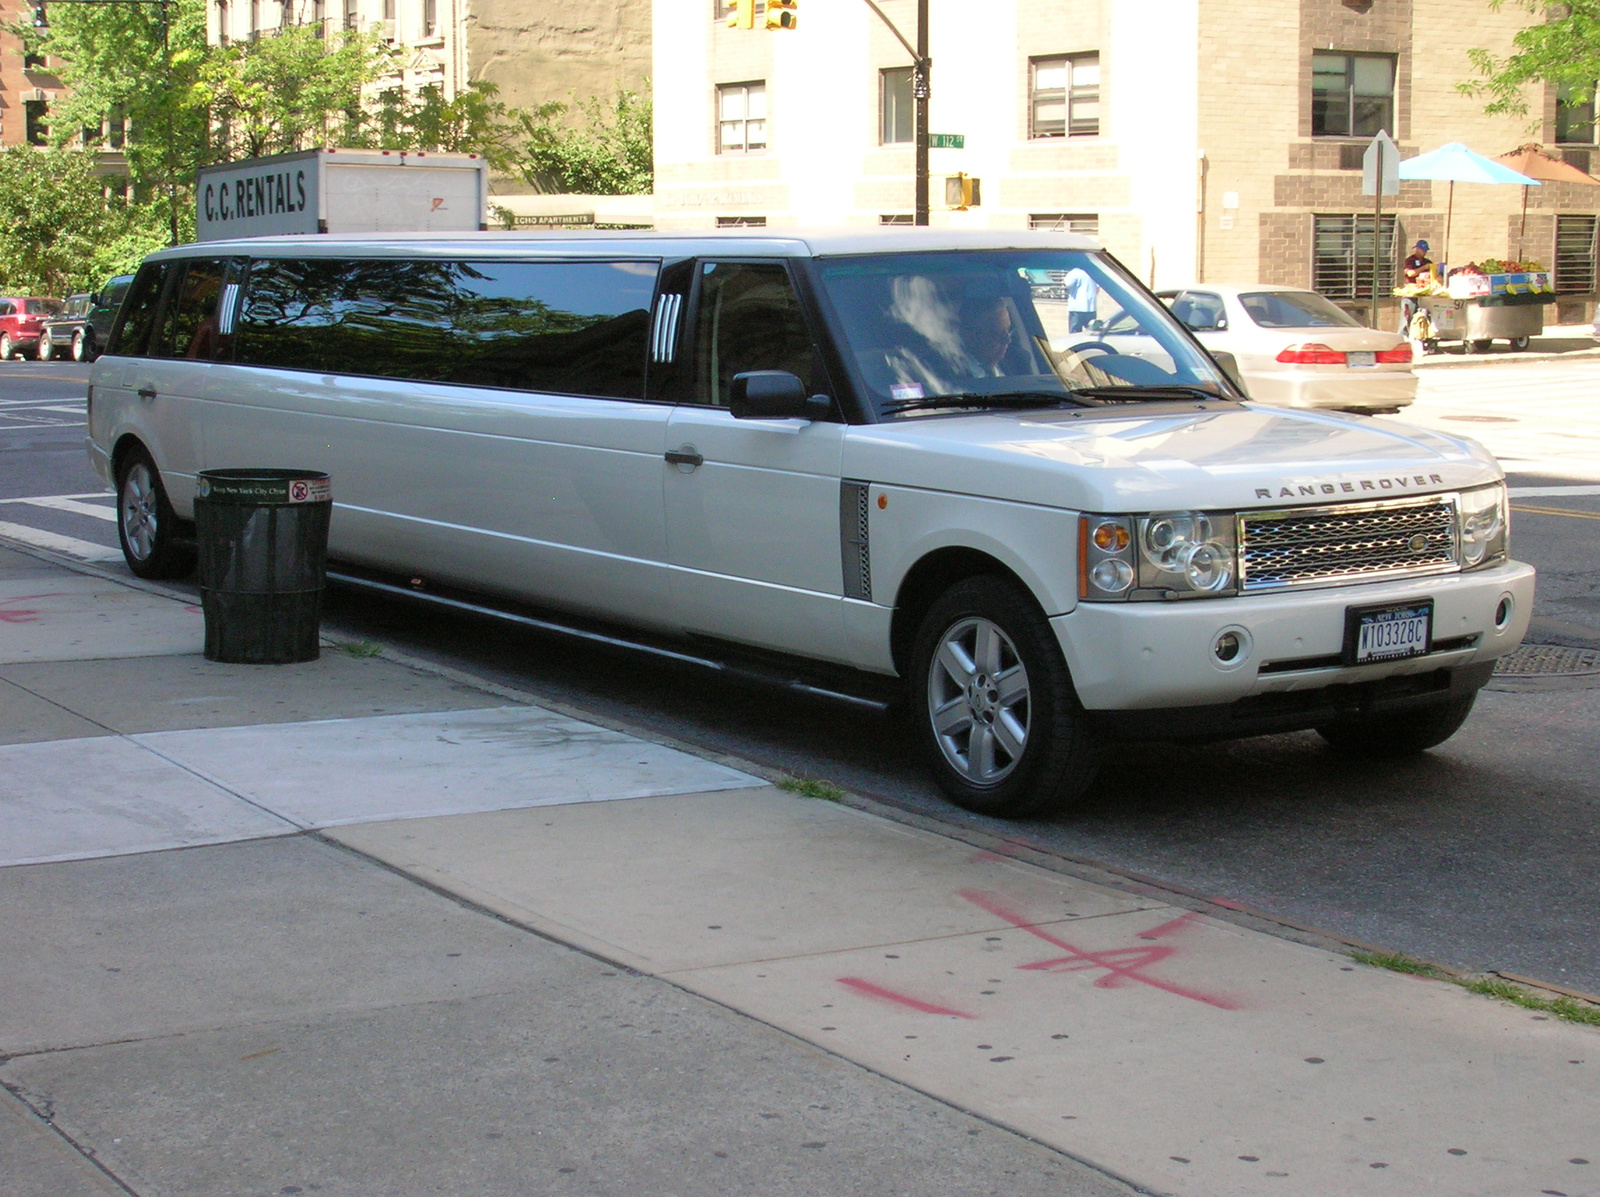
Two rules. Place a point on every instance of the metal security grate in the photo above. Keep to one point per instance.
(1341, 253)
(1356, 541)
(1575, 255)
(855, 555)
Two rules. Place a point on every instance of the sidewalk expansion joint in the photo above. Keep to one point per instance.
(87, 1154)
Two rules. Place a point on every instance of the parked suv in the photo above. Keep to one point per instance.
(85, 324)
(21, 322)
(64, 330)
(873, 456)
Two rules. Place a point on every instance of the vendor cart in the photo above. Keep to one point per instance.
(1481, 309)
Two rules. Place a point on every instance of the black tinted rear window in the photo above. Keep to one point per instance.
(130, 336)
(564, 327)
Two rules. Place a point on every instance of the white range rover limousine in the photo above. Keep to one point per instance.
(907, 454)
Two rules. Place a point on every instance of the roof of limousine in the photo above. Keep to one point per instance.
(696, 243)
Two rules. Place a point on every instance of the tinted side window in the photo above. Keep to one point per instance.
(749, 319)
(575, 328)
(132, 334)
(189, 323)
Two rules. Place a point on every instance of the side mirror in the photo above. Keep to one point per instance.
(1230, 366)
(94, 300)
(774, 395)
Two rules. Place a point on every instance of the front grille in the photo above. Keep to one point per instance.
(1352, 542)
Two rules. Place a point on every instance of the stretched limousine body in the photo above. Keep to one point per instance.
(905, 454)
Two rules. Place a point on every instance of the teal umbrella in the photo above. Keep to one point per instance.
(1455, 163)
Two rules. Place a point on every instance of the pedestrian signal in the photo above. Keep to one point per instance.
(741, 14)
(962, 192)
(782, 14)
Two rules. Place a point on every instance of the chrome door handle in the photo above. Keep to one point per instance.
(686, 456)
(147, 392)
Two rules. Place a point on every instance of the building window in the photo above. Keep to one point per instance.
(1085, 224)
(430, 18)
(116, 128)
(1352, 95)
(741, 222)
(741, 118)
(222, 22)
(33, 62)
(37, 131)
(352, 14)
(1066, 96)
(896, 219)
(1575, 254)
(1342, 256)
(1574, 119)
(721, 10)
(897, 107)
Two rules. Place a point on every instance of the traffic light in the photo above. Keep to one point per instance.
(782, 14)
(741, 14)
(962, 192)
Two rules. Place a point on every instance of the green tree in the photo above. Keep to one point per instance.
(475, 122)
(1563, 49)
(58, 231)
(607, 152)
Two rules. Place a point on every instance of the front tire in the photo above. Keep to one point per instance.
(82, 350)
(1399, 734)
(996, 713)
(47, 349)
(146, 525)
(1521, 343)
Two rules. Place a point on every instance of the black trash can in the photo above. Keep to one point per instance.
(262, 537)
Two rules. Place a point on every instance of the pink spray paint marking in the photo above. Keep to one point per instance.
(868, 989)
(10, 614)
(1005, 850)
(1122, 966)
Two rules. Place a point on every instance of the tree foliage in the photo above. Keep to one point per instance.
(475, 122)
(58, 233)
(1562, 49)
(607, 151)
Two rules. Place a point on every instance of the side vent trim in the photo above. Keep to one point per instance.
(664, 336)
(855, 554)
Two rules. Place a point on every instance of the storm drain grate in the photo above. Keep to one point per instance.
(1547, 660)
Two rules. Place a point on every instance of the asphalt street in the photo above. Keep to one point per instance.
(1478, 855)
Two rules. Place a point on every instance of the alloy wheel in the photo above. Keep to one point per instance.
(978, 701)
(138, 512)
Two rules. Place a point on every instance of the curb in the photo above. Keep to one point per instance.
(1452, 361)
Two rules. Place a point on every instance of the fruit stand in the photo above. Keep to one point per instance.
(1480, 304)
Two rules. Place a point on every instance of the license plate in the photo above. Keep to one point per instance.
(1387, 633)
(1360, 360)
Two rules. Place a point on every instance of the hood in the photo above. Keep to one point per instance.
(1250, 456)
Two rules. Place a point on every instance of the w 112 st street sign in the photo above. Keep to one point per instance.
(947, 141)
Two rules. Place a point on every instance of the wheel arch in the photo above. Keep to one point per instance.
(127, 443)
(933, 574)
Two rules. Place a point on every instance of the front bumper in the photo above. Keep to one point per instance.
(1158, 655)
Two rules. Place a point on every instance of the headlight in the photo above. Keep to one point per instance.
(1483, 526)
(1167, 555)
(1187, 552)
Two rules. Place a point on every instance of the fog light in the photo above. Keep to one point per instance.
(1231, 648)
(1502, 613)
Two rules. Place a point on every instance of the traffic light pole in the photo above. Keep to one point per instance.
(921, 70)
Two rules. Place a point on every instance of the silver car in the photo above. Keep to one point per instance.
(1297, 349)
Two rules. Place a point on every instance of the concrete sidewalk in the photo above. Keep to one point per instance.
(1573, 342)
(358, 927)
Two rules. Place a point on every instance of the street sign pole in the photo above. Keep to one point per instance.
(921, 69)
(1380, 176)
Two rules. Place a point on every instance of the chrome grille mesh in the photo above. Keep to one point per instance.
(1355, 541)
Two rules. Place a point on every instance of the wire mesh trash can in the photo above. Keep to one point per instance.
(262, 537)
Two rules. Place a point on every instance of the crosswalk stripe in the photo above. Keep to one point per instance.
(70, 545)
(63, 503)
(1550, 492)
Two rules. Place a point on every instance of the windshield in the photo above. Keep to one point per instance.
(1003, 322)
(1295, 309)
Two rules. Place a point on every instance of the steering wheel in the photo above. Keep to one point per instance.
(1085, 346)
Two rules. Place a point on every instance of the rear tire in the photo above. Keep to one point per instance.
(6, 347)
(1406, 733)
(996, 713)
(1521, 343)
(146, 524)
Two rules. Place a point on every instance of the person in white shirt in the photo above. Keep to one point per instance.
(1083, 297)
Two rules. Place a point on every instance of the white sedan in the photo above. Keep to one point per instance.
(1297, 349)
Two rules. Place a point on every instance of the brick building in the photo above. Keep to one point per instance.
(1200, 139)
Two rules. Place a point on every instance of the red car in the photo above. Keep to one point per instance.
(21, 321)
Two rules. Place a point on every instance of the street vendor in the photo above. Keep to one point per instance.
(1416, 269)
